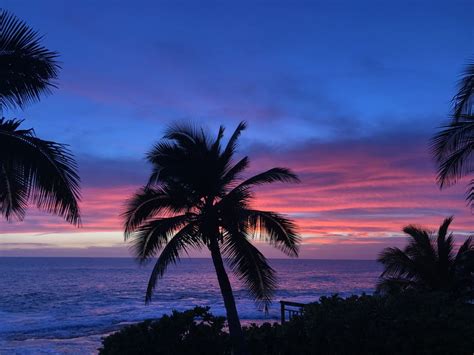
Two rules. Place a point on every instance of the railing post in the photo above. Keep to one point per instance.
(282, 308)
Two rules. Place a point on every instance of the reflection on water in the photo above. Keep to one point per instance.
(68, 303)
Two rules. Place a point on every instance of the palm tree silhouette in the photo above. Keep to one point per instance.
(35, 170)
(195, 198)
(454, 144)
(31, 169)
(27, 68)
(428, 263)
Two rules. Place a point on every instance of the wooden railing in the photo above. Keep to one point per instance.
(290, 308)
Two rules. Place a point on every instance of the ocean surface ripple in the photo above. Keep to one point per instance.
(65, 305)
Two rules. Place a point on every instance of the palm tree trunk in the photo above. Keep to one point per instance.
(235, 329)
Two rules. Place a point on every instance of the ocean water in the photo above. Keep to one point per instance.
(66, 305)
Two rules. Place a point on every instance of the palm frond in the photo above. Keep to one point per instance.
(269, 176)
(231, 146)
(457, 164)
(468, 245)
(48, 168)
(278, 230)
(421, 244)
(183, 240)
(188, 161)
(216, 146)
(234, 203)
(462, 103)
(27, 69)
(452, 136)
(187, 135)
(160, 156)
(171, 163)
(423, 254)
(470, 194)
(396, 263)
(453, 146)
(465, 253)
(243, 191)
(147, 203)
(251, 267)
(232, 173)
(13, 191)
(443, 229)
(445, 244)
(150, 237)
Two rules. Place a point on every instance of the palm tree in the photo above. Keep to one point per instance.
(454, 144)
(32, 169)
(428, 263)
(196, 198)
(27, 69)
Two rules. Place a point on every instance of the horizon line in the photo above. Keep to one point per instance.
(130, 257)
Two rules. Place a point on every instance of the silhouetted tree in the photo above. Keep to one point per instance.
(196, 198)
(454, 144)
(35, 170)
(27, 69)
(428, 263)
(31, 169)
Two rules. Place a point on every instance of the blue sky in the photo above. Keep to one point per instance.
(323, 70)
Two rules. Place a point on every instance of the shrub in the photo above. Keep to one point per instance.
(407, 324)
(195, 331)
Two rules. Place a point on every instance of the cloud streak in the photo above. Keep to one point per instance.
(353, 194)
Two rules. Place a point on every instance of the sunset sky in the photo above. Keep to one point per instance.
(347, 94)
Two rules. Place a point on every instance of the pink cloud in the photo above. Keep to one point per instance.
(349, 195)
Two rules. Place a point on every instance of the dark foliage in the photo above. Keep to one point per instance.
(191, 332)
(454, 144)
(32, 169)
(413, 323)
(429, 263)
(27, 69)
(409, 324)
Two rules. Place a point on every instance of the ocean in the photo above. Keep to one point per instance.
(66, 305)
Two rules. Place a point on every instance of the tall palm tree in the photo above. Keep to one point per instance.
(428, 263)
(27, 69)
(196, 198)
(32, 169)
(454, 144)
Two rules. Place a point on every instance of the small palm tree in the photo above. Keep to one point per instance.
(454, 144)
(195, 198)
(32, 169)
(27, 69)
(428, 263)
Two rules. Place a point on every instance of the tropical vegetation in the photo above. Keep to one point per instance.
(196, 197)
(410, 323)
(38, 171)
(28, 69)
(31, 169)
(454, 144)
(195, 331)
(428, 263)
